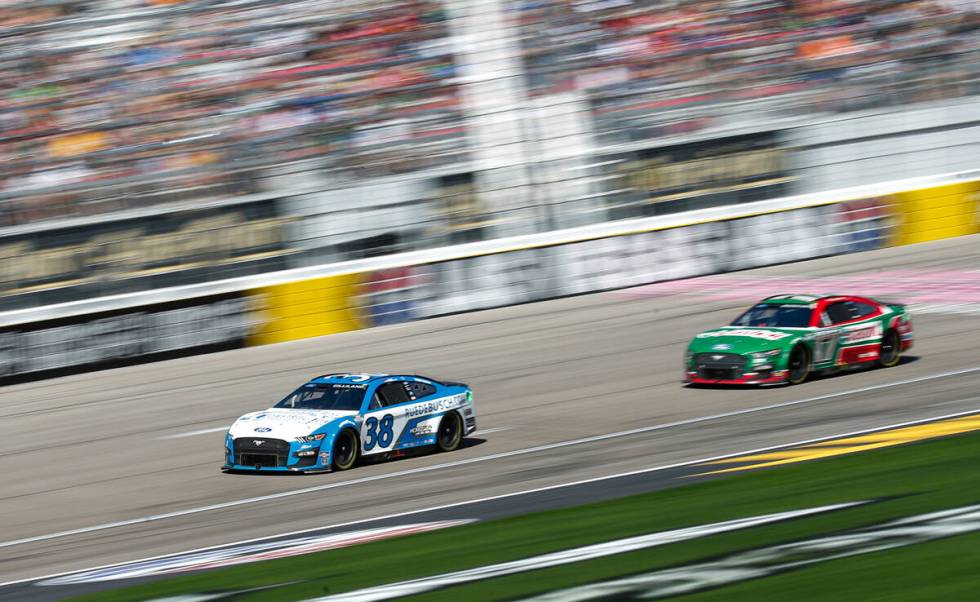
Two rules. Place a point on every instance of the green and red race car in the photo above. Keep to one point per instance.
(785, 338)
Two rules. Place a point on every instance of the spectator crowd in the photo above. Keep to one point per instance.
(106, 104)
(111, 104)
(656, 67)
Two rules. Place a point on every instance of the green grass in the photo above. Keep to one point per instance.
(908, 480)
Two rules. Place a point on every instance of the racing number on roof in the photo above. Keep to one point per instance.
(358, 378)
(379, 432)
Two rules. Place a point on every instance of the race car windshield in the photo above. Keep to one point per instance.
(777, 316)
(325, 397)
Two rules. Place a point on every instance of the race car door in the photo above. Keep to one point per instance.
(828, 338)
(385, 418)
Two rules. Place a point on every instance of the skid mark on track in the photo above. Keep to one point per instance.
(926, 291)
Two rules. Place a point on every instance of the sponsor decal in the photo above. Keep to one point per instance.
(241, 554)
(422, 429)
(861, 333)
(436, 405)
(609, 548)
(764, 562)
(767, 335)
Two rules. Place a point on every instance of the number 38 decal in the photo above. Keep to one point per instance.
(379, 432)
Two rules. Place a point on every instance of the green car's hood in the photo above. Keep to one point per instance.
(740, 339)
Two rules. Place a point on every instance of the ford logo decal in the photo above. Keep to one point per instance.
(263, 429)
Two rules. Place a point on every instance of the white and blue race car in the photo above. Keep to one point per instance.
(332, 421)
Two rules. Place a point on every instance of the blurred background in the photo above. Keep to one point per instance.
(152, 143)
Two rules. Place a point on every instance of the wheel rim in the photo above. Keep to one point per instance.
(345, 450)
(889, 348)
(449, 432)
(797, 365)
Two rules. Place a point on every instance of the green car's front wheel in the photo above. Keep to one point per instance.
(798, 365)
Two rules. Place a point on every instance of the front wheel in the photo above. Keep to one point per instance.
(891, 349)
(798, 365)
(345, 450)
(450, 435)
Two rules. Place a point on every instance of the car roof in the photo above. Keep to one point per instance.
(793, 299)
(362, 379)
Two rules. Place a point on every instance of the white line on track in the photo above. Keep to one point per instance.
(495, 429)
(518, 493)
(192, 433)
(497, 456)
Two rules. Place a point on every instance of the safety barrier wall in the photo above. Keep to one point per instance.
(938, 212)
(416, 291)
(318, 301)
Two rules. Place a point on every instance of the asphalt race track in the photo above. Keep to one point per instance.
(566, 390)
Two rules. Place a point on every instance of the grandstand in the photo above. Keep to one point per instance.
(235, 137)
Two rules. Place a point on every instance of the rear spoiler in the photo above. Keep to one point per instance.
(899, 307)
(447, 383)
(893, 304)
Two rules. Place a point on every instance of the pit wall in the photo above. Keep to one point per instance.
(323, 300)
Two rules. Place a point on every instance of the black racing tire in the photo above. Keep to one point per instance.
(891, 349)
(450, 434)
(346, 450)
(798, 365)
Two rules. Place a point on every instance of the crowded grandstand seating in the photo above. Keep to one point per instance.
(660, 67)
(113, 104)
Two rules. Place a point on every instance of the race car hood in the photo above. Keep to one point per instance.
(739, 339)
(282, 423)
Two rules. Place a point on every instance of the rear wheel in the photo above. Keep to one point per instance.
(345, 450)
(798, 365)
(891, 349)
(450, 434)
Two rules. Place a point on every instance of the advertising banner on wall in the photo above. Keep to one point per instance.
(127, 255)
(423, 291)
(707, 173)
(113, 338)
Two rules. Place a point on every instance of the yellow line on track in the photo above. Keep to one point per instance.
(848, 445)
